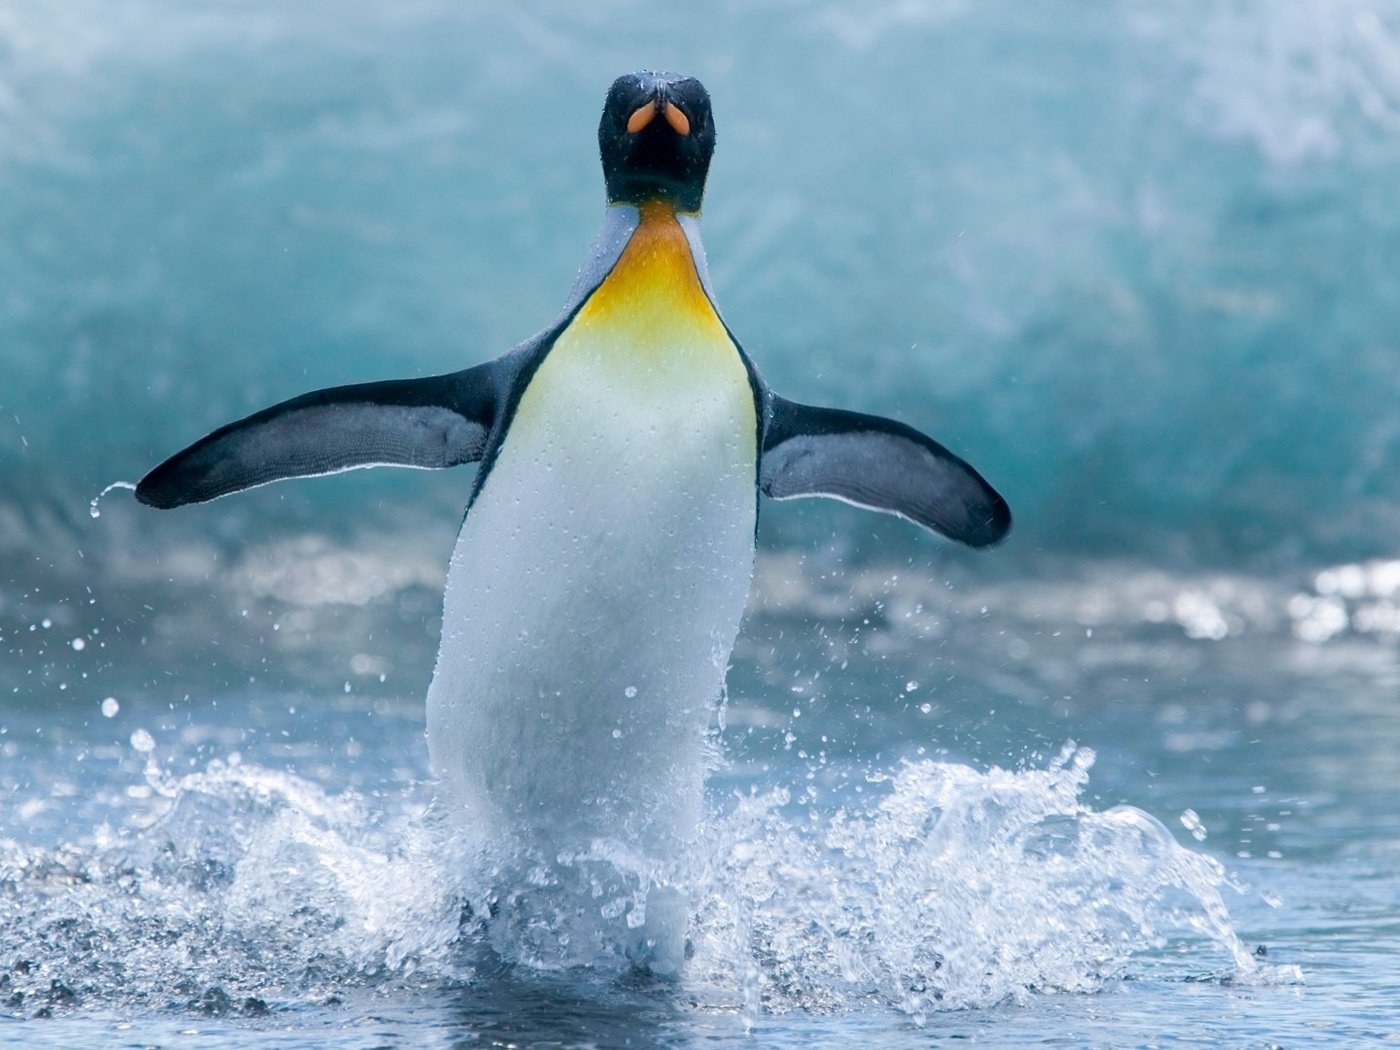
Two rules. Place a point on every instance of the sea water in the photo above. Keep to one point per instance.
(1129, 780)
(939, 803)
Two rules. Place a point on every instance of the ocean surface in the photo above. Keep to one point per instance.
(1132, 778)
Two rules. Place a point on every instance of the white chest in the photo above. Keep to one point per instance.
(599, 579)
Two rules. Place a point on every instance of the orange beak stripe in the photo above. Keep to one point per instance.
(680, 124)
(641, 118)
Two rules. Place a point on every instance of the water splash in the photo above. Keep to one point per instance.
(936, 886)
(92, 506)
(958, 888)
(252, 887)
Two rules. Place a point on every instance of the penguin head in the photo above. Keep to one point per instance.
(656, 139)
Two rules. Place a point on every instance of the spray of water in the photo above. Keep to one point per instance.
(92, 506)
(937, 886)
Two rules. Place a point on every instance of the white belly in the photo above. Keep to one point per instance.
(594, 596)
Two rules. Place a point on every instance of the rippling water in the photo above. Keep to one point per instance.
(1129, 780)
(1125, 804)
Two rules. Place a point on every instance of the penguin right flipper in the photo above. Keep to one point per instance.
(440, 421)
(879, 464)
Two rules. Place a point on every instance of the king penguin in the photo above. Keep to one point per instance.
(604, 561)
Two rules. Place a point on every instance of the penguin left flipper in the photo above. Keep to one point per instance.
(879, 464)
(440, 421)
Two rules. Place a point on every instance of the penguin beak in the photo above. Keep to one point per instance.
(679, 122)
(644, 114)
(641, 117)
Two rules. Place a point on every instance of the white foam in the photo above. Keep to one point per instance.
(936, 886)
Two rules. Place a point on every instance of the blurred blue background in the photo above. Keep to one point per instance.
(1139, 262)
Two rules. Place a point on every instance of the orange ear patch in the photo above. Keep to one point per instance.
(642, 117)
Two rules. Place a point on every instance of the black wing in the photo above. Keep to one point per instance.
(441, 421)
(880, 464)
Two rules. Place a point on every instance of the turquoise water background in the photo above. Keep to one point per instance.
(1138, 259)
(1140, 263)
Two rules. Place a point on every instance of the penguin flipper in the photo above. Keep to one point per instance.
(879, 464)
(441, 421)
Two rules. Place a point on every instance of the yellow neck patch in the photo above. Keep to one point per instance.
(653, 294)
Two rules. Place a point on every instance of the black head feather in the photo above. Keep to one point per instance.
(649, 153)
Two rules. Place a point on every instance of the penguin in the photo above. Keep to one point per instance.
(604, 560)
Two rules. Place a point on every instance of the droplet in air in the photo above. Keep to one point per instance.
(92, 507)
(143, 741)
(110, 707)
(630, 692)
(1191, 821)
(78, 645)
